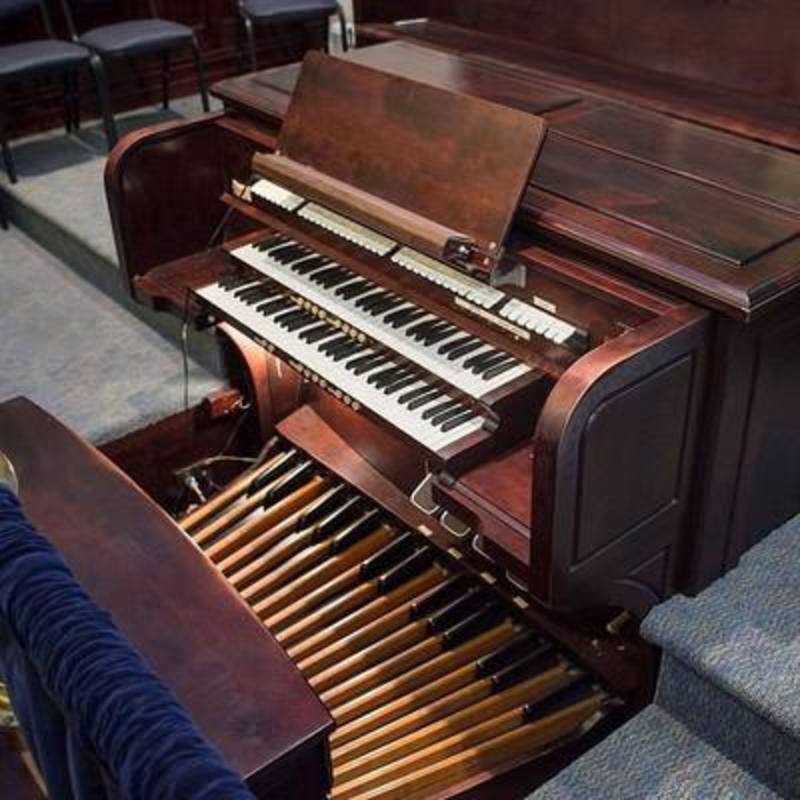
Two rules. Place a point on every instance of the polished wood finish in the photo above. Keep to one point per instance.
(647, 180)
(414, 688)
(408, 164)
(185, 621)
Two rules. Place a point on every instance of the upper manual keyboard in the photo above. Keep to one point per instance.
(443, 349)
(521, 319)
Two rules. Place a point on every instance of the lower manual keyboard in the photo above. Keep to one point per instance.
(364, 376)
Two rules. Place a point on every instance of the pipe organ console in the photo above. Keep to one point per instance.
(495, 369)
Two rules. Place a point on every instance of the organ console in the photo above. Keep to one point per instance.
(521, 349)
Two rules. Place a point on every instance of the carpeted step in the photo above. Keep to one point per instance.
(79, 354)
(652, 757)
(742, 634)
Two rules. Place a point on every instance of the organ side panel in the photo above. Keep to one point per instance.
(613, 460)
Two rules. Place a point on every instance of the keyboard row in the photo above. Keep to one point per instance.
(398, 391)
(463, 360)
(530, 318)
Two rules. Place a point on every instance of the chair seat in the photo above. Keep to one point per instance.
(289, 10)
(40, 55)
(137, 36)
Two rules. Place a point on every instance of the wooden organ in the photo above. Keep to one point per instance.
(508, 337)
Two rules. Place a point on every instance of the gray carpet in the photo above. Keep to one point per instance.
(726, 717)
(654, 757)
(61, 176)
(78, 353)
(743, 633)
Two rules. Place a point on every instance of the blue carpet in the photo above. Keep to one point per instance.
(742, 736)
(654, 757)
(78, 353)
(743, 633)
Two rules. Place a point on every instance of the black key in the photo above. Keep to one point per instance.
(293, 254)
(245, 291)
(322, 276)
(452, 345)
(399, 384)
(378, 302)
(272, 241)
(289, 249)
(386, 305)
(333, 343)
(404, 323)
(454, 423)
(421, 329)
(480, 358)
(352, 350)
(314, 335)
(483, 368)
(301, 322)
(266, 294)
(437, 409)
(400, 319)
(438, 335)
(366, 300)
(380, 379)
(424, 400)
(358, 362)
(289, 316)
(371, 365)
(458, 352)
(336, 349)
(355, 289)
(274, 306)
(309, 265)
(499, 369)
(414, 394)
(451, 413)
(231, 282)
(338, 279)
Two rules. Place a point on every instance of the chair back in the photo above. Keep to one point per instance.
(75, 9)
(10, 9)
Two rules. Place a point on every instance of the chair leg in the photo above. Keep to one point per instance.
(165, 57)
(201, 74)
(251, 42)
(67, 102)
(96, 63)
(8, 161)
(342, 27)
(76, 100)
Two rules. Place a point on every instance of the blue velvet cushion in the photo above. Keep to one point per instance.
(289, 10)
(137, 36)
(41, 55)
(97, 719)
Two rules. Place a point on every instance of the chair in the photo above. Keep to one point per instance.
(130, 39)
(268, 12)
(34, 59)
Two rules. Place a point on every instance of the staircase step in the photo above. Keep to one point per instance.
(733, 728)
(654, 756)
(742, 634)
